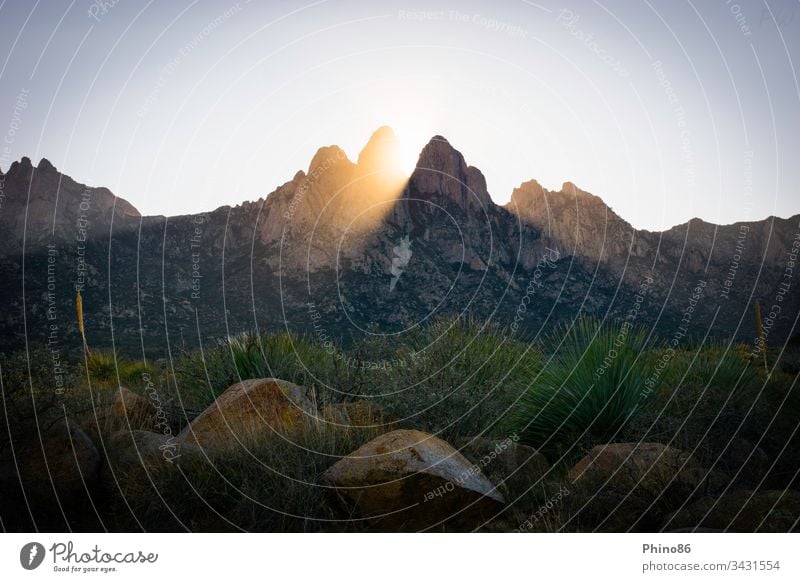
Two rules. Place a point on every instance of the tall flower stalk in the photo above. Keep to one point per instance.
(79, 307)
(762, 338)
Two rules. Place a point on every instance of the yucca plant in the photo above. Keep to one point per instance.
(590, 387)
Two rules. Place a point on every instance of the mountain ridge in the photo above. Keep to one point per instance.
(328, 238)
(334, 151)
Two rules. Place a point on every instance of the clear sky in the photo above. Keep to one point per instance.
(666, 109)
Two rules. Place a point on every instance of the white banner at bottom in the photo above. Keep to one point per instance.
(400, 557)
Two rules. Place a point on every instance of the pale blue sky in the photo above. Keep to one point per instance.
(184, 106)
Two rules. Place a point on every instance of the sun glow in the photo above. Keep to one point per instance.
(382, 171)
(409, 146)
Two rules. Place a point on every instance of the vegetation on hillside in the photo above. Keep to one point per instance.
(586, 384)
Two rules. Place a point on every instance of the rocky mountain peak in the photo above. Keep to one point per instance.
(575, 221)
(41, 203)
(46, 166)
(381, 148)
(439, 156)
(327, 158)
(21, 168)
(442, 170)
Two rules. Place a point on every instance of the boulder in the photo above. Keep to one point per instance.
(743, 511)
(136, 456)
(506, 462)
(57, 475)
(251, 409)
(407, 480)
(70, 457)
(630, 465)
(138, 411)
(631, 486)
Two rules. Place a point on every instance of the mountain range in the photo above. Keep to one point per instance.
(345, 249)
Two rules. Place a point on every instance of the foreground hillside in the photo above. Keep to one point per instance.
(462, 427)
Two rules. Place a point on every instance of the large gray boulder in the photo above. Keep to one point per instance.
(407, 480)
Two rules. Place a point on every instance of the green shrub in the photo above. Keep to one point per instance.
(717, 404)
(108, 368)
(204, 374)
(589, 388)
(454, 377)
(716, 365)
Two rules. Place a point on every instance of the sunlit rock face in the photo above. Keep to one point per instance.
(380, 159)
(336, 207)
(347, 248)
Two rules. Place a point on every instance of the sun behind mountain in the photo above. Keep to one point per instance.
(387, 154)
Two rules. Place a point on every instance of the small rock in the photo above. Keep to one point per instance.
(746, 463)
(628, 465)
(407, 480)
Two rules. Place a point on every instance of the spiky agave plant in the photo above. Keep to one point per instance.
(590, 385)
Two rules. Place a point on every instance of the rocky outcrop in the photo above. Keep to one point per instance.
(251, 409)
(577, 223)
(47, 205)
(407, 480)
(442, 171)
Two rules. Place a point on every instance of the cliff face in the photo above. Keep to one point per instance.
(40, 203)
(582, 225)
(347, 248)
(577, 221)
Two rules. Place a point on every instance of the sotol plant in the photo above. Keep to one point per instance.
(589, 387)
